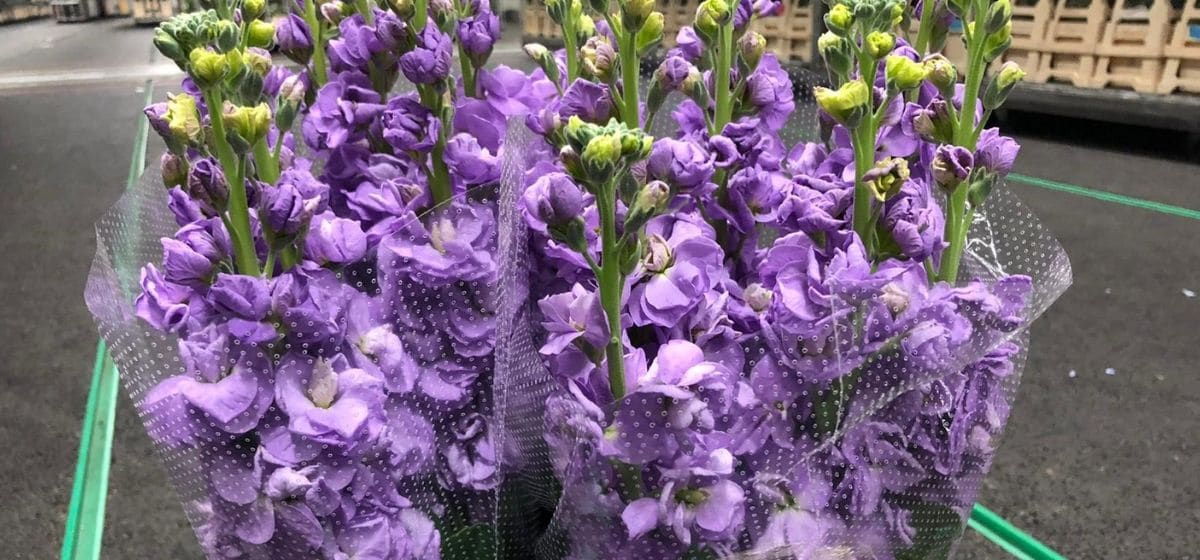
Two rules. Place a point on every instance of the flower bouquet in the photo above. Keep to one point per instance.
(391, 306)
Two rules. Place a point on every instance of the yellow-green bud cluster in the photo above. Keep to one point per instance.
(847, 104)
(602, 150)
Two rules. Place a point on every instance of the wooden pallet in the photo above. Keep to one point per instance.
(1131, 51)
(1071, 39)
(797, 27)
(1181, 71)
(22, 12)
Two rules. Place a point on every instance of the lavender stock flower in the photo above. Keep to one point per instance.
(429, 61)
(479, 33)
(681, 163)
(294, 38)
(408, 126)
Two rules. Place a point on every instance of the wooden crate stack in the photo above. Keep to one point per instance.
(118, 8)
(1181, 71)
(1029, 22)
(21, 12)
(796, 25)
(1069, 50)
(1131, 51)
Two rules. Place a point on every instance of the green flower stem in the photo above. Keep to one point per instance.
(863, 141)
(468, 72)
(925, 31)
(266, 163)
(629, 78)
(420, 14)
(245, 257)
(724, 108)
(439, 175)
(570, 46)
(612, 284)
(959, 215)
(319, 76)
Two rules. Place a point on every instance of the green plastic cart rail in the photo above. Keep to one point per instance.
(85, 516)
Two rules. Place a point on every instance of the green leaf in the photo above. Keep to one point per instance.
(477, 542)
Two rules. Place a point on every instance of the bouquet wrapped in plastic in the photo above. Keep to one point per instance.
(391, 308)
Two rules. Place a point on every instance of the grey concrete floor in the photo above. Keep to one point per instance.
(1095, 465)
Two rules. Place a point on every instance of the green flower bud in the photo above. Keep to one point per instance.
(601, 156)
(250, 124)
(880, 43)
(897, 16)
(260, 34)
(227, 35)
(836, 52)
(846, 104)
(839, 19)
(251, 9)
(169, 47)
(751, 47)
(651, 33)
(886, 178)
(999, 14)
(980, 188)
(404, 9)
(998, 42)
(578, 133)
(1002, 84)
(941, 73)
(635, 12)
(711, 15)
(555, 8)
(630, 253)
(208, 68)
(903, 73)
(257, 62)
(585, 27)
(651, 200)
(183, 118)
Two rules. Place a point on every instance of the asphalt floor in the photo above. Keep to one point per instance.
(1100, 458)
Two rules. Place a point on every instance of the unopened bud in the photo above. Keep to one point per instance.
(404, 9)
(903, 73)
(260, 34)
(207, 67)
(174, 170)
(251, 9)
(751, 47)
(333, 12)
(951, 165)
(634, 13)
(183, 118)
(998, 89)
(999, 14)
(711, 15)
(941, 73)
(887, 177)
(169, 47)
(226, 35)
(880, 43)
(257, 60)
(249, 123)
(998, 42)
(651, 33)
(598, 57)
(839, 19)
(846, 104)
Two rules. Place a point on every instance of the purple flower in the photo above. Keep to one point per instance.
(677, 400)
(553, 200)
(429, 61)
(471, 457)
(240, 296)
(454, 244)
(687, 45)
(355, 47)
(812, 211)
(573, 317)
(769, 89)
(408, 126)
(587, 100)
(184, 265)
(478, 33)
(471, 163)
(156, 113)
(915, 221)
(673, 71)
(372, 345)
(683, 164)
(183, 207)
(682, 263)
(284, 209)
(755, 196)
(333, 240)
(341, 114)
(996, 153)
(329, 402)
(294, 39)
(232, 398)
(951, 165)
(742, 143)
(207, 186)
(162, 304)
(698, 502)
(482, 121)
